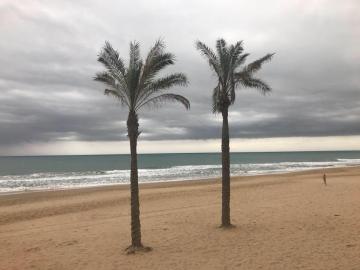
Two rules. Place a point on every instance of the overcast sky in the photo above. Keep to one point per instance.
(50, 104)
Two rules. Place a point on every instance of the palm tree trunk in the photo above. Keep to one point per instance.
(133, 133)
(225, 149)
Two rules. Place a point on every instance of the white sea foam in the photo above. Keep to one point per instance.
(38, 181)
(350, 160)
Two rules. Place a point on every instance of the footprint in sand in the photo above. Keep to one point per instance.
(67, 243)
(33, 249)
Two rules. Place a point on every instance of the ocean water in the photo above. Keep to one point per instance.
(59, 172)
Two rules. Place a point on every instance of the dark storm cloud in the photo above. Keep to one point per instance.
(48, 59)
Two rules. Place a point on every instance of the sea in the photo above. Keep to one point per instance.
(26, 173)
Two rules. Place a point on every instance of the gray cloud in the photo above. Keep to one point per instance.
(48, 59)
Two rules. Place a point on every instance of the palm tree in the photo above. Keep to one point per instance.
(228, 65)
(136, 86)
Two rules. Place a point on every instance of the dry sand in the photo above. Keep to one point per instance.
(289, 221)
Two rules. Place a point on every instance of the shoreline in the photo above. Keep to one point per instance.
(171, 182)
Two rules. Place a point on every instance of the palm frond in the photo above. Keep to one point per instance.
(118, 95)
(160, 61)
(241, 60)
(134, 73)
(110, 58)
(158, 48)
(210, 56)
(106, 78)
(221, 46)
(155, 62)
(175, 79)
(158, 85)
(159, 100)
(235, 53)
(116, 72)
(257, 64)
(134, 54)
(255, 83)
(147, 72)
(224, 59)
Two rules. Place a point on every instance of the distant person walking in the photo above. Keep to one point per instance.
(324, 179)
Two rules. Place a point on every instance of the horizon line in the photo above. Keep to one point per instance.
(171, 153)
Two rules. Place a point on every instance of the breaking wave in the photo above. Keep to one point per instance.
(41, 181)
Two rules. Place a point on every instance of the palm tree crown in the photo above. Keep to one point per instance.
(228, 64)
(136, 85)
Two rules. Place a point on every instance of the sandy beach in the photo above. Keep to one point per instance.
(287, 221)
